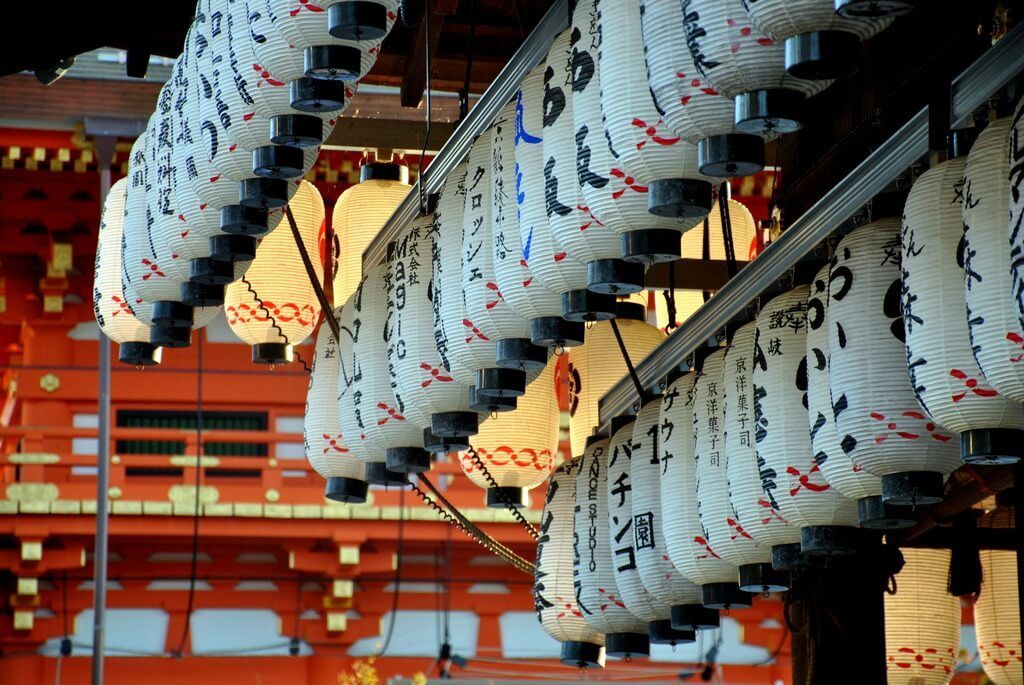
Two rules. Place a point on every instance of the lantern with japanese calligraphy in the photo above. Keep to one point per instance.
(922, 621)
(997, 618)
(992, 315)
(850, 481)
(112, 311)
(948, 383)
(1016, 204)
(754, 517)
(517, 448)
(645, 148)
(743, 64)
(596, 366)
(624, 539)
(791, 479)
(554, 593)
(880, 424)
(820, 44)
(361, 20)
(485, 304)
(691, 108)
(581, 233)
(325, 447)
(874, 8)
(274, 307)
(418, 374)
(597, 594)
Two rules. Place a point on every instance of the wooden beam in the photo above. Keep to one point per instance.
(414, 79)
(691, 274)
(388, 133)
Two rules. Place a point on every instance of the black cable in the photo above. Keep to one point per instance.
(464, 93)
(505, 500)
(670, 299)
(629, 362)
(426, 135)
(318, 288)
(398, 575)
(730, 247)
(273, 322)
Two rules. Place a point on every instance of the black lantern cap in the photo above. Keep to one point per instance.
(662, 633)
(316, 96)
(694, 617)
(679, 198)
(233, 248)
(483, 403)
(992, 446)
(436, 445)
(651, 246)
(787, 557)
(627, 645)
(454, 424)
(263, 193)
(822, 55)
(358, 20)
(210, 270)
(171, 313)
(242, 220)
(272, 353)
(913, 488)
(585, 306)
(554, 331)
(278, 161)
(874, 9)
(724, 596)
(377, 473)
(333, 62)
(730, 155)
(834, 541)
(615, 276)
(873, 514)
(296, 130)
(201, 294)
(174, 337)
(347, 490)
(501, 497)
(582, 654)
(521, 354)
(407, 459)
(383, 171)
(765, 112)
(501, 382)
(761, 578)
(139, 353)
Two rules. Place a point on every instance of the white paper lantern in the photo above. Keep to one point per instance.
(880, 424)
(554, 593)
(417, 370)
(1016, 204)
(274, 307)
(597, 594)
(642, 144)
(325, 446)
(997, 618)
(361, 20)
(743, 64)
(820, 44)
(922, 621)
(598, 365)
(948, 383)
(754, 515)
(849, 480)
(689, 106)
(112, 311)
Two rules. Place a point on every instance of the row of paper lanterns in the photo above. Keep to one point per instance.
(258, 87)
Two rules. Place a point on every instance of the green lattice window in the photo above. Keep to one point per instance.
(212, 420)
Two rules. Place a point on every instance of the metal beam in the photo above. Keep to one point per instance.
(970, 90)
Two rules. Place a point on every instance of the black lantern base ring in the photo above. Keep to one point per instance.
(242, 220)
(651, 246)
(992, 446)
(765, 112)
(913, 488)
(580, 654)
(615, 277)
(347, 490)
(483, 403)
(454, 424)
(833, 541)
(333, 62)
(662, 633)
(316, 96)
(584, 306)
(436, 445)
(174, 337)
(407, 460)
(874, 9)
(210, 270)
(296, 130)
(554, 331)
(724, 596)
(377, 473)
(762, 578)
(358, 20)
(873, 514)
(679, 198)
(201, 294)
(263, 193)
(731, 155)
(138, 353)
(233, 248)
(627, 645)
(500, 497)
(501, 382)
(272, 353)
(521, 354)
(694, 617)
(822, 55)
(277, 161)
(171, 313)
(787, 557)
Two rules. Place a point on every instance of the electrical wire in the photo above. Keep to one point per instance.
(505, 500)
(318, 288)
(273, 322)
(398, 575)
(629, 362)
(426, 134)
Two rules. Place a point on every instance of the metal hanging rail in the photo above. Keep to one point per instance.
(529, 54)
(971, 89)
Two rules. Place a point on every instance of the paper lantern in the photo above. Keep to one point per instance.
(624, 539)
(359, 214)
(997, 618)
(820, 44)
(594, 577)
(686, 302)
(112, 311)
(996, 333)
(948, 383)
(922, 621)
(850, 481)
(517, 448)
(874, 8)
(1016, 204)
(274, 307)
(417, 370)
(598, 365)
(321, 428)
(880, 424)
(641, 143)
(743, 64)
(582, 233)
(554, 593)
(486, 306)
(361, 20)
(754, 518)
(691, 108)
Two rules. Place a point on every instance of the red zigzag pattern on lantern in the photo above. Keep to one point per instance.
(504, 455)
(289, 311)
